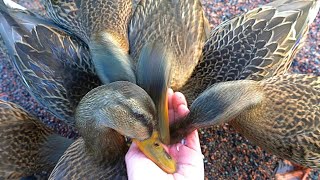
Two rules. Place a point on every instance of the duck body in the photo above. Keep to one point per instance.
(86, 18)
(180, 25)
(99, 57)
(60, 85)
(103, 26)
(287, 122)
(27, 145)
(77, 163)
(257, 45)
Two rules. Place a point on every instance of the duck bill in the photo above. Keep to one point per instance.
(154, 150)
(163, 114)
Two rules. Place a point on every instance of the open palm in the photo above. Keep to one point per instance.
(187, 155)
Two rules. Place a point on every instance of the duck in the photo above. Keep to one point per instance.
(28, 146)
(110, 111)
(99, 153)
(103, 26)
(280, 114)
(65, 75)
(255, 45)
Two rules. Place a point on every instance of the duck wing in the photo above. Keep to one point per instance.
(256, 45)
(103, 26)
(21, 137)
(55, 66)
(77, 163)
(27, 146)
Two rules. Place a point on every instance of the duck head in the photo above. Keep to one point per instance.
(121, 108)
(218, 104)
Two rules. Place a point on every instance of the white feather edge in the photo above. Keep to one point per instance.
(13, 5)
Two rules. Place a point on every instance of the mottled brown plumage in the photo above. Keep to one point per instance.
(280, 114)
(255, 46)
(180, 25)
(103, 26)
(87, 18)
(76, 163)
(63, 82)
(258, 44)
(109, 64)
(56, 68)
(27, 146)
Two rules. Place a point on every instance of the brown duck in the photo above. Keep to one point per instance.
(280, 114)
(256, 45)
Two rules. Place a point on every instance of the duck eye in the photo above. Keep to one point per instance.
(156, 144)
(139, 116)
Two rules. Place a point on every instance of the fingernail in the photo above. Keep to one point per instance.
(184, 142)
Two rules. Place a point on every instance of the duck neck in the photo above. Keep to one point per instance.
(111, 62)
(153, 75)
(53, 148)
(104, 143)
(219, 104)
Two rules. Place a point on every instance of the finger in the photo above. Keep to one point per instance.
(170, 106)
(170, 95)
(171, 116)
(181, 112)
(178, 99)
(192, 143)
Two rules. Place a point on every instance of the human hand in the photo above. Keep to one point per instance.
(187, 155)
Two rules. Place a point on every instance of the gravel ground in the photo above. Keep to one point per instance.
(227, 154)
